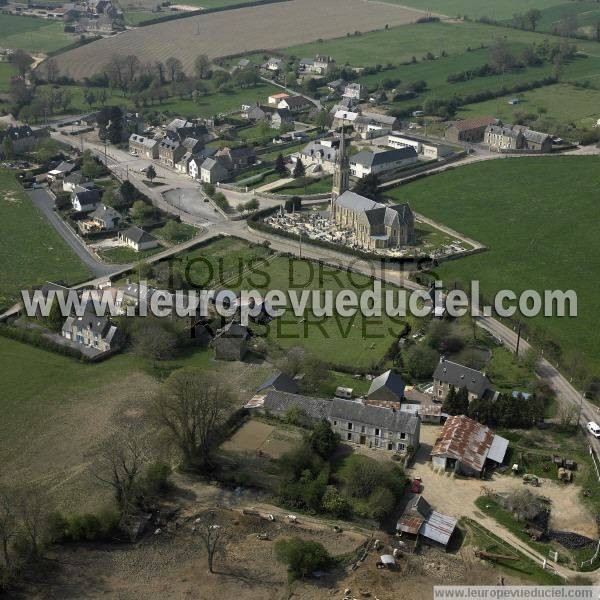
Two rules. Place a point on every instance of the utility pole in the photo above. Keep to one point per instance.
(518, 340)
(580, 408)
(300, 243)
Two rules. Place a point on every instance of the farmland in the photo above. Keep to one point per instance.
(477, 8)
(31, 250)
(226, 33)
(560, 103)
(539, 203)
(33, 34)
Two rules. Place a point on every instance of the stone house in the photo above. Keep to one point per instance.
(170, 152)
(450, 374)
(295, 103)
(92, 331)
(144, 147)
(213, 170)
(278, 403)
(374, 426)
(356, 91)
(21, 137)
(85, 199)
(231, 342)
(386, 390)
(503, 137)
(469, 130)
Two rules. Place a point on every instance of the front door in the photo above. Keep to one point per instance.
(363, 439)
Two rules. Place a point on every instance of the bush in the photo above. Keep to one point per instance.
(362, 476)
(421, 361)
(333, 502)
(323, 440)
(381, 503)
(302, 557)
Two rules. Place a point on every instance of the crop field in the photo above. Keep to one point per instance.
(561, 103)
(495, 9)
(31, 250)
(32, 34)
(525, 210)
(233, 32)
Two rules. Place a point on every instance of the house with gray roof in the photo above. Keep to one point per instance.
(374, 426)
(537, 141)
(503, 137)
(93, 332)
(295, 103)
(105, 218)
(450, 374)
(214, 170)
(279, 382)
(231, 342)
(278, 403)
(21, 138)
(382, 161)
(386, 390)
(356, 91)
(373, 224)
(323, 153)
(281, 117)
(144, 147)
(85, 199)
(138, 239)
(170, 151)
(180, 129)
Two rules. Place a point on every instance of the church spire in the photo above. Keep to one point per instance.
(341, 175)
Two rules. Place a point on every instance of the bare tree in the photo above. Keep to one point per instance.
(152, 340)
(292, 363)
(174, 68)
(132, 67)
(211, 532)
(51, 70)
(121, 461)
(567, 416)
(160, 71)
(8, 521)
(32, 510)
(524, 504)
(190, 406)
(202, 66)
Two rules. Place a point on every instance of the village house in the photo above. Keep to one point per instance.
(386, 390)
(273, 65)
(374, 225)
(85, 199)
(467, 447)
(323, 153)
(503, 137)
(143, 147)
(92, 331)
(275, 99)
(319, 65)
(213, 170)
(423, 147)
(60, 171)
(197, 159)
(180, 129)
(281, 117)
(383, 161)
(237, 158)
(370, 124)
(374, 426)
(103, 218)
(278, 403)
(356, 91)
(336, 86)
(70, 182)
(138, 239)
(22, 138)
(279, 382)
(231, 342)
(536, 141)
(469, 130)
(170, 151)
(295, 103)
(450, 374)
(256, 112)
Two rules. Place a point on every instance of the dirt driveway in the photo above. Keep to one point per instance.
(456, 495)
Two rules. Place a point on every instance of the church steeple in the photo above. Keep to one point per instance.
(341, 175)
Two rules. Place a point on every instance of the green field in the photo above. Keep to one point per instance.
(535, 215)
(32, 251)
(495, 9)
(209, 105)
(560, 103)
(6, 72)
(318, 186)
(33, 34)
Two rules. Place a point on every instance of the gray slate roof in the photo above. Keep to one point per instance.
(376, 416)
(280, 402)
(137, 235)
(280, 382)
(389, 380)
(371, 159)
(103, 213)
(460, 376)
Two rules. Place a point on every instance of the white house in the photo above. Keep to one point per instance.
(365, 163)
(423, 147)
(84, 199)
(356, 91)
(138, 239)
(213, 171)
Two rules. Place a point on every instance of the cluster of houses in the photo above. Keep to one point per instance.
(182, 147)
(279, 111)
(499, 136)
(20, 138)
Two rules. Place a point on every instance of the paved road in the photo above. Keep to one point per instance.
(45, 203)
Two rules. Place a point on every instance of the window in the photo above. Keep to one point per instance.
(377, 431)
(349, 437)
(335, 422)
(401, 447)
(439, 392)
(362, 429)
(349, 426)
(402, 436)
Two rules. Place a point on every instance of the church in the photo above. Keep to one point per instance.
(375, 225)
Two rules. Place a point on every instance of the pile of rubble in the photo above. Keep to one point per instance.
(570, 540)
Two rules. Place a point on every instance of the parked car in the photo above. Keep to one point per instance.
(594, 429)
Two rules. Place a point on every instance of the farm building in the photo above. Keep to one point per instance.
(377, 163)
(231, 342)
(279, 382)
(467, 447)
(386, 390)
(469, 130)
(450, 374)
(279, 403)
(423, 147)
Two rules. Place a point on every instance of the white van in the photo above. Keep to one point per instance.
(594, 429)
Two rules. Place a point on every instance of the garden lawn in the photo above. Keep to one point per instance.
(561, 103)
(31, 250)
(124, 254)
(6, 72)
(318, 186)
(536, 216)
(33, 34)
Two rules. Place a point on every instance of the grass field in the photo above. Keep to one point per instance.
(209, 105)
(123, 254)
(33, 34)
(219, 34)
(6, 72)
(534, 215)
(318, 186)
(495, 9)
(561, 103)
(31, 250)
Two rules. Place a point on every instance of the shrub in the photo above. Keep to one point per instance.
(323, 440)
(302, 557)
(381, 503)
(333, 502)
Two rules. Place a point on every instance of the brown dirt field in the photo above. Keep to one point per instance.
(236, 31)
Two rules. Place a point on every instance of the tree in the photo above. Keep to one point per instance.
(368, 186)
(202, 66)
(502, 58)
(323, 440)
(533, 16)
(89, 97)
(89, 165)
(210, 531)
(21, 60)
(32, 511)
(151, 173)
(128, 193)
(8, 521)
(381, 503)
(8, 148)
(456, 402)
(280, 167)
(322, 119)
(142, 212)
(191, 406)
(174, 68)
(302, 557)
(120, 464)
(333, 502)
(421, 361)
(299, 170)
(51, 70)
(316, 374)
(252, 204)
(153, 340)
